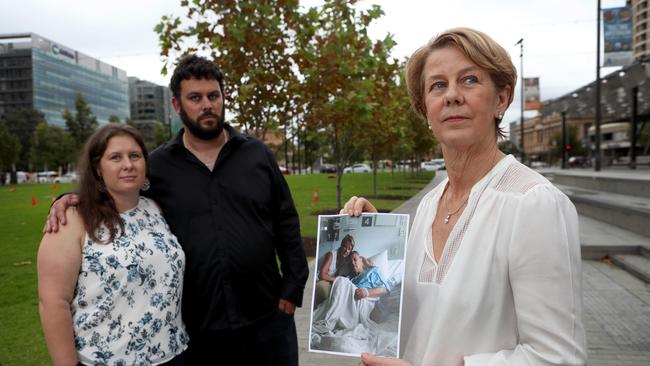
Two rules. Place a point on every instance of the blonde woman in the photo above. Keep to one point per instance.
(493, 266)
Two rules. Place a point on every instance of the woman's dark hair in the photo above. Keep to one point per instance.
(96, 206)
(347, 238)
(194, 67)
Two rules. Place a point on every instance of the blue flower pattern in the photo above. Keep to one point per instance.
(127, 304)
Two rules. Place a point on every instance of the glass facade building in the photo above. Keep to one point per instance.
(152, 102)
(56, 75)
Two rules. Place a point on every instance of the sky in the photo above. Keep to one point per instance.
(559, 35)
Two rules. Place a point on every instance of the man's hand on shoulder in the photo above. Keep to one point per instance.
(56, 215)
(287, 306)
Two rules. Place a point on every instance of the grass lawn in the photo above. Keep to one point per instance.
(21, 337)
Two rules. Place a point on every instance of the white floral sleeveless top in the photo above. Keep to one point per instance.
(127, 304)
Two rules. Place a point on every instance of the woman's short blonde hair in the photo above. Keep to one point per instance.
(476, 46)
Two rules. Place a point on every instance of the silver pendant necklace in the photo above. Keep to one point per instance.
(449, 213)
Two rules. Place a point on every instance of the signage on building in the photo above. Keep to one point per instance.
(617, 29)
(531, 93)
(61, 51)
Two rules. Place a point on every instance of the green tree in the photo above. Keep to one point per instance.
(336, 60)
(388, 105)
(508, 147)
(82, 124)
(419, 135)
(22, 123)
(9, 149)
(249, 40)
(644, 138)
(574, 146)
(114, 119)
(51, 147)
(161, 133)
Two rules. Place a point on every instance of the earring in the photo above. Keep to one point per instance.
(145, 185)
(500, 116)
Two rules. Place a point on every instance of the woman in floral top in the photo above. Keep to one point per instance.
(110, 282)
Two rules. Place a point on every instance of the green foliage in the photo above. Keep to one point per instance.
(644, 137)
(113, 119)
(9, 148)
(161, 133)
(22, 123)
(416, 139)
(51, 148)
(82, 124)
(342, 69)
(577, 149)
(249, 41)
(508, 147)
(315, 75)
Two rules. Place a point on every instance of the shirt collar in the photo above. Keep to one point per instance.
(177, 141)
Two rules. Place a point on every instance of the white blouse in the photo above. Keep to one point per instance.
(507, 290)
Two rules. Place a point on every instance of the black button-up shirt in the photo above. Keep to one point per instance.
(231, 222)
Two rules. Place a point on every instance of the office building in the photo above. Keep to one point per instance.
(148, 101)
(640, 29)
(41, 74)
(150, 104)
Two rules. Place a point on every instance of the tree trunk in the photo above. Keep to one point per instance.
(375, 163)
(298, 138)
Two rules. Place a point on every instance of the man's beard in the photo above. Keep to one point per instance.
(197, 130)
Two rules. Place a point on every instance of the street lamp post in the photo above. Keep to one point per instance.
(633, 134)
(564, 140)
(521, 125)
(597, 106)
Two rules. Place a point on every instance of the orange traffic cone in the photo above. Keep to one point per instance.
(34, 201)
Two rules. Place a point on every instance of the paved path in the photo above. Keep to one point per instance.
(642, 172)
(616, 304)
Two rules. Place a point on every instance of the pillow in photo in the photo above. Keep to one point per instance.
(395, 269)
(380, 260)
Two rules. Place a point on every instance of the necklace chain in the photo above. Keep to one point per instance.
(449, 213)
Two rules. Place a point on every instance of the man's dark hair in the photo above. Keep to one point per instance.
(194, 67)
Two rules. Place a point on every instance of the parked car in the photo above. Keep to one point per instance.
(435, 164)
(21, 177)
(357, 168)
(406, 164)
(284, 169)
(328, 168)
(67, 178)
(578, 162)
(538, 164)
(46, 177)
